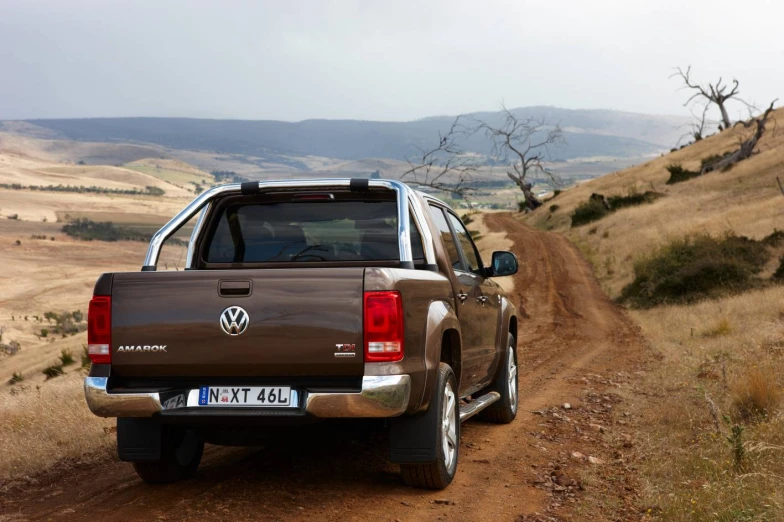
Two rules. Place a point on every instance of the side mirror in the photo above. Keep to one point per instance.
(503, 264)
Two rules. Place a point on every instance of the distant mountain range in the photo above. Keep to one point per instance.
(589, 133)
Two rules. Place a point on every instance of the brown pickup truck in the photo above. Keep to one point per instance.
(305, 300)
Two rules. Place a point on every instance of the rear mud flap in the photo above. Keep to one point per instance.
(413, 440)
(139, 440)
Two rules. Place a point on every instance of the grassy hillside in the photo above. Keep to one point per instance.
(746, 200)
(707, 412)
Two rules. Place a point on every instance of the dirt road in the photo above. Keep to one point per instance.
(575, 346)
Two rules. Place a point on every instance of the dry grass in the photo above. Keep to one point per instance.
(49, 425)
(689, 467)
(755, 395)
(46, 423)
(721, 328)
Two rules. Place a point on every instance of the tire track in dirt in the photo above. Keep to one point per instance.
(338, 471)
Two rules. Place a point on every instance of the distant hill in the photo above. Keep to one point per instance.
(589, 133)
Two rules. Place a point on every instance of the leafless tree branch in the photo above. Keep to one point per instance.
(697, 128)
(524, 144)
(746, 147)
(715, 93)
(446, 166)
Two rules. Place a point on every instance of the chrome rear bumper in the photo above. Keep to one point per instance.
(381, 396)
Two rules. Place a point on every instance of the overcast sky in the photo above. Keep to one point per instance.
(374, 60)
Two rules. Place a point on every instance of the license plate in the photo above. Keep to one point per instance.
(255, 396)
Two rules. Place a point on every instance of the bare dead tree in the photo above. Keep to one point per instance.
(747, 147)
(712, 93)
(524, 144)
(445, 166)
(698, 128)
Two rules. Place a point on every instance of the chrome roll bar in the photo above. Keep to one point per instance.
(405, 201)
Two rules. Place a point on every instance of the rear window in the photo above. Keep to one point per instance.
(307, 231)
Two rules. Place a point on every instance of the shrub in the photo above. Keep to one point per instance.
(522, 206)
(12, 348)
(778, 275)
(16, 378)
(88, 230)
(13, 216)
(694, 268)
(66, 357)
(775, 238)
(18, 243)
(228, 176)
(632, 200)
(678, 174)
(556, 192)
(148, 191)
(553, 208)
(86, 362)
(591, 210)
(44, 332)
(755, 395)
(66, 323)
(595, 209)
(53, 371)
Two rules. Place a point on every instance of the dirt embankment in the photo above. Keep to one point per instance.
(575, 347)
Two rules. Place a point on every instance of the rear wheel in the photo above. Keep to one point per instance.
(439, 474)
(181, 451)
(504, 410)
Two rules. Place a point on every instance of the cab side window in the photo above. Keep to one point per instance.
(446, 237)
(467, 244)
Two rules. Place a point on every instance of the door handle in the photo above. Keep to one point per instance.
(482, 299)
(462, 297)
(234, 288)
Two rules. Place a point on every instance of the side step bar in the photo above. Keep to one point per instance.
(475, 406)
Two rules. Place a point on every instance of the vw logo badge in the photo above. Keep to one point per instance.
(234, 320)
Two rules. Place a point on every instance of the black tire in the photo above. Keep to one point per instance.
(439, 474)
(504, 410)
(181, 451)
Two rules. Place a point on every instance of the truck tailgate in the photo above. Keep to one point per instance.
(301, 322)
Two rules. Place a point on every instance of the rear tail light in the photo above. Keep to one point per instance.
(99, 329)
(383, 326)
